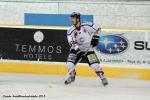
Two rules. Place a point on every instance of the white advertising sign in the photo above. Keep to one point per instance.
(124, 47)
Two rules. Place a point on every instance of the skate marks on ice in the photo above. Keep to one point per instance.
(53, 88)
(92, 89)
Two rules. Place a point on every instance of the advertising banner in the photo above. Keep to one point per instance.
(116, 47)
(122, 47)
(33, 44)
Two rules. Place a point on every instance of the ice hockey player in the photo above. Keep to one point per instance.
(82, 37)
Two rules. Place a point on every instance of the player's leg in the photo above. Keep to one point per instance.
(99, 73)
(71, 73)
(73, 58)
(93, 61)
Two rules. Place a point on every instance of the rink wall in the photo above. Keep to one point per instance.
(107, 14)
(43, 50)
(82, 70)
(19, 53)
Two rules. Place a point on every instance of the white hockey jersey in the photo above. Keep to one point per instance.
(82, 38)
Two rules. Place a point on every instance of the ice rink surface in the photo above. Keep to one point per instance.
(52, 88)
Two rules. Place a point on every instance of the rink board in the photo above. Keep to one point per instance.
(18, 64)
(82, 70)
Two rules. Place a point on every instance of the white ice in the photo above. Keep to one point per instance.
(82, 89)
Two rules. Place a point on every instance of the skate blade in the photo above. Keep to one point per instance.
(67, 83)
(105, 84)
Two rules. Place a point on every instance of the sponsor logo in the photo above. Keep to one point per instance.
(112, 44)
(141, 45)
(40, 52)
(33, 44)
(38, 36)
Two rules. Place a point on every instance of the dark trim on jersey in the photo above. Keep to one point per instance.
(87, 25)
(68, 34)
(71, 32)
(94, 29)
(90, 26)
(83, 25)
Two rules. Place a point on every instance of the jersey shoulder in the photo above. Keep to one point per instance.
(70, 30)
(86, 23)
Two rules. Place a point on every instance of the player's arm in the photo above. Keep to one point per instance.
(96, 30)
(72, 41)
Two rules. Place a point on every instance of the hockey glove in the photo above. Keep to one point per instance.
(95, 40)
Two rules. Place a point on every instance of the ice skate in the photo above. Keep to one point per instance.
(102, 77)
(70, 78)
